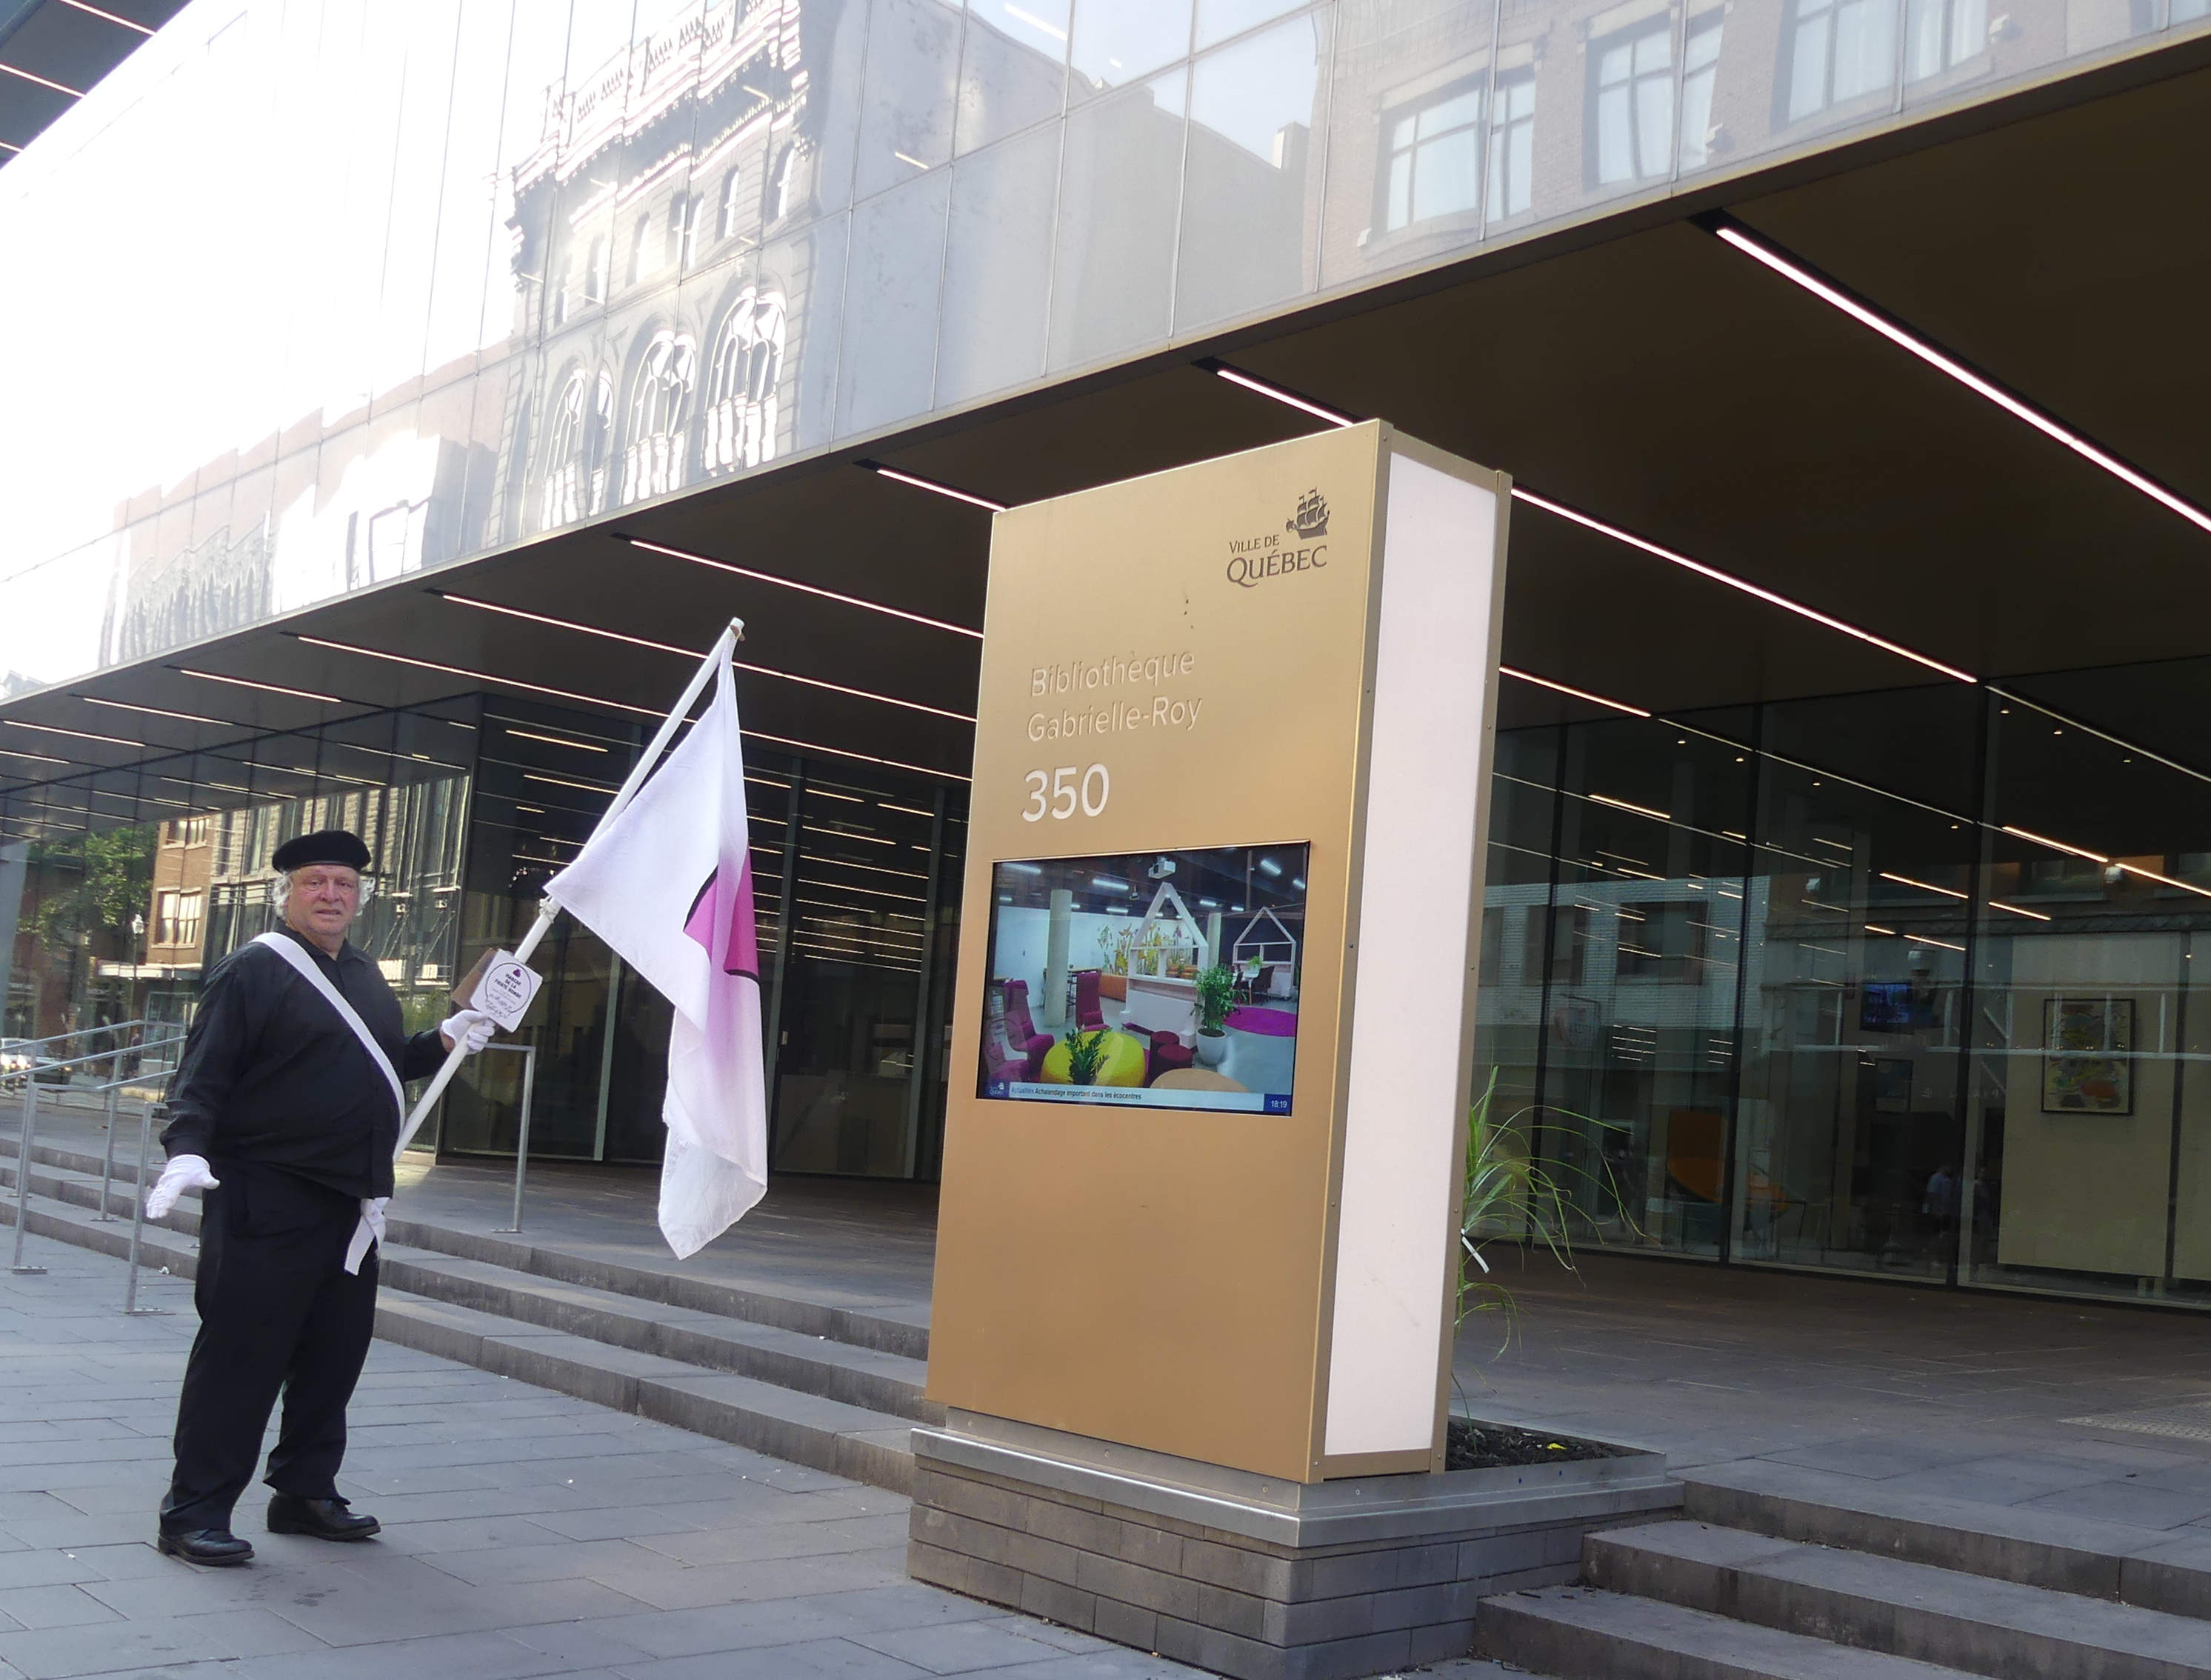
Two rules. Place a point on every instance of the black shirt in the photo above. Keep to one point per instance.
(272, 1075)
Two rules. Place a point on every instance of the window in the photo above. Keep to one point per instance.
(637, 236)
(1940, 34)
(1838, 50)
(682, 230)
(775, 201)
(395, 539)
(186, 831)
(742, 384)
(1567, 928)
(1701, 63)
(1632, 102)
(191, 909)
(659, 410)
(575, 484)
(1660, 941)
(594, 273)
(1432, 163)
(725, 224)
(1512, 144)
(177, 917)
(560, 300)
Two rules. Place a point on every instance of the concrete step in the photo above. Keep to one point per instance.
(2156, 1568)
(849, 1326)
(810, 1364)
(827, 1434)
(1945, 1616)
(1579, 1633)
(802, 1426)
(863, 1377)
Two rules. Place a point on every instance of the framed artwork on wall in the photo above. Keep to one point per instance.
(2088, 1059)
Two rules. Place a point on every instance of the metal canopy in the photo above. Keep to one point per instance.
(1638, 369)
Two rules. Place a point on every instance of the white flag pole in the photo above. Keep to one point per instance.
(547, 910)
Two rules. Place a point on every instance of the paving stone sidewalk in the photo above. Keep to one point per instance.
(525, 1533)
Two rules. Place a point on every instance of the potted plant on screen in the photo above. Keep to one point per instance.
(1086, 1056)
(1216, 991)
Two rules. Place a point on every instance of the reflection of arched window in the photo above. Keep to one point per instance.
(741, 386)
(659, 409)
(576, 451)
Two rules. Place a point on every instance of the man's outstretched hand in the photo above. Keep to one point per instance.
(184, 1172)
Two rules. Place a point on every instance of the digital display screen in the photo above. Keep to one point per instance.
(1897, 1006)
(1156, 979)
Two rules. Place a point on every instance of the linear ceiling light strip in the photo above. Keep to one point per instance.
(80, 734)
(157, 712)
(1578, 694)
(1283, 394)
(2022, 834)
(265, 688)
(932, 485)
(804, 589)
(2072, 722)
(696, 654)
(1293, 399)
(58, 87)
(1798, 273)
(107, 17)
(590, 700)
(1728, 579)
(473, 676)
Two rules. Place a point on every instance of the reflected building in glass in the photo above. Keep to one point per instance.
(472, 351)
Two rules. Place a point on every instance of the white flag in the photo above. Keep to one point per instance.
(668, 883)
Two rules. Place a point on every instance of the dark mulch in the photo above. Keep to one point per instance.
(1472, 1446)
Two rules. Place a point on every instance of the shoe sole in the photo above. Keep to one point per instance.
(314, 1533)
(168, 1548)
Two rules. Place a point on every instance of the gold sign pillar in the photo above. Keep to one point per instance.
(1212, 1038)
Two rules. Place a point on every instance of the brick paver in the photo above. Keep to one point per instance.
(526, 1534)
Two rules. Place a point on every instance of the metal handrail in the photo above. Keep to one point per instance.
(113, 1057)
(139, 1077)
(109, 1055)
(83, 1033)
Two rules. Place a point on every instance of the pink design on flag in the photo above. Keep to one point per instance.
(636, 884)
(740, 953)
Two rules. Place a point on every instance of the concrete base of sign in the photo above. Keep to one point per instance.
(1248, 1576)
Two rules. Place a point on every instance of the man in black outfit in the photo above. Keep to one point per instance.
(282, 1116)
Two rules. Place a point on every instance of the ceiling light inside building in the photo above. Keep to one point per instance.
(1801, 275)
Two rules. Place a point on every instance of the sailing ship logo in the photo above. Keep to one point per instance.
(1312, 517)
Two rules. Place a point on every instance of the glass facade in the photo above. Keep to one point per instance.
(439, 277)
(1897, 982)
(125, 896)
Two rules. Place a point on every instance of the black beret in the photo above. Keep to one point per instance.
(332, 846)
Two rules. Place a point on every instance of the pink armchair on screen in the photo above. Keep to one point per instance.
(1089, 1017)
(1000, 1060)
(1021, 1030)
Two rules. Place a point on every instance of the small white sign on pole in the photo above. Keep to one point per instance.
(508, 987)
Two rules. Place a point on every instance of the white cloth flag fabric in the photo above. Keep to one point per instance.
(668, 882)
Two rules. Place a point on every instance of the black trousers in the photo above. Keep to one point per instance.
(278, 1312)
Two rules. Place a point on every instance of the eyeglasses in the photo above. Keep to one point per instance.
(348, 885)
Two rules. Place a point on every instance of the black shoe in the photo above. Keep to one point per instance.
(324, 1518)
(216, 1548)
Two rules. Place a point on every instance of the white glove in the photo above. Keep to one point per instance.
(469, 1028)
(369, 1232)
(184, 1172)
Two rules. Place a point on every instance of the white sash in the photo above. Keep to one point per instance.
(310, 971)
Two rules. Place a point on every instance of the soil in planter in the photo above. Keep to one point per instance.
(1472, 1446)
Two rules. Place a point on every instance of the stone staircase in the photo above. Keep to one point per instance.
(1782, 1574)
(818, 1384)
